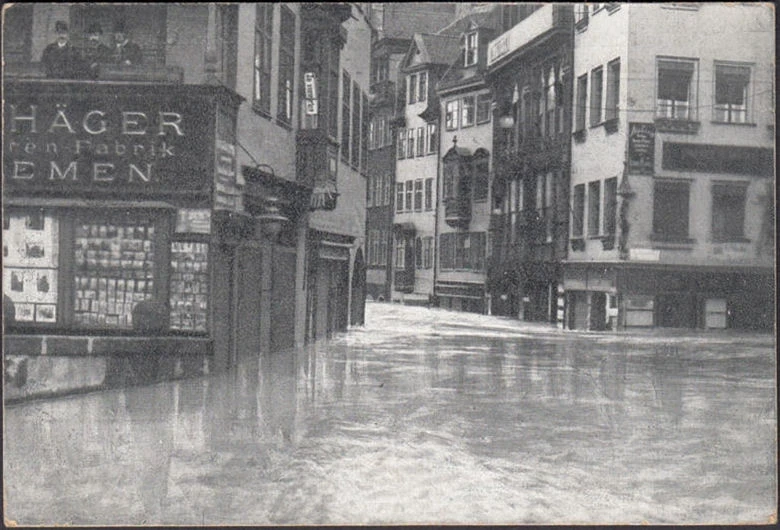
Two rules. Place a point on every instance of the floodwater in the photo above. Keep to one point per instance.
(423, 416)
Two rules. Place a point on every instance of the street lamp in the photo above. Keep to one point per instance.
(272, 220)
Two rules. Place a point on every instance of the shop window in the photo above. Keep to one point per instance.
(484, 102)
(594, 207)
(596, 81)
(399, 197)
(412, 89)
(262, 68)
(470, 52)
(346, 117)
(728, 211)
(422, 86)
(429, 194)
(613, 90)
(468, 112)
(675, 99)
(731, 93)
(433, 139)
(610, 206)
(31, 265)
(284, 104)
(670, 210)
(578, 213)
(418, 195)
(451, 115)
(409, 195)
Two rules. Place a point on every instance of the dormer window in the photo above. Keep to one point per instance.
(470, 55)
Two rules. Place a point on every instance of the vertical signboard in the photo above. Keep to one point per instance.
(228, 184)
(641, 148)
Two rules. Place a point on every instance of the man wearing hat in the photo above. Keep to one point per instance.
(125, 51)
(95, 52)
(60, 58)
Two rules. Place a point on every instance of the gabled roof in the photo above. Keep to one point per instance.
(433, 49)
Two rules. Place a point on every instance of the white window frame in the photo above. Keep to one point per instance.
(674, 109)
(471, 49)
(728, 113)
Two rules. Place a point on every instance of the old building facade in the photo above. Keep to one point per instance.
(672, 168)
(164, 205)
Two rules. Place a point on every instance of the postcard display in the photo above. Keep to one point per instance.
(30, 253)
(189, 286)
(114, 271)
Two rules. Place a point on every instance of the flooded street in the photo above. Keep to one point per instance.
(423, 416)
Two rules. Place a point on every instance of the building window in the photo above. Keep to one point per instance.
(264, 14)
(370, 183)
(670, 209)
(433, 139)
(355, 154)
(728, 211)
(594, 207)
(581, 15)
(550, 102)
(420, 141)
(409, 195)
(610, 206)
(284, 105)
(410, 143)
(364, 132)
(596, 81)
(380, 69)
(450, 173)
(399, 197)
(468, 111)
(675, 98)
(731, 93)
(422, 86)
(429, 194)
(412, 90)
(582, 102)
(578, 211)
(481, 178)
(613, 90)
(470, 55)
(331, 92)
(400, 252)
(418, 195)
(388, 189)
(428, 252)
(346, 118)
(372, 134)
(451, 115)
(401, 144)
(418, 254)
(446, 251)
(484, 102)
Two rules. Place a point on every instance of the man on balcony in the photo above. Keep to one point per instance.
(126, 52)
(95, 52)
(60, 59)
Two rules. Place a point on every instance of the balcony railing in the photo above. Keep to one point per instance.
(108, 72)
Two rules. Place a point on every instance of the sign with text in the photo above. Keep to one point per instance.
(124, 142)
(641, 148)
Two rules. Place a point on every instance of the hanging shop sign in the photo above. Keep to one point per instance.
(114, 143)
(310, 90)
(193, 221)
(641, 148)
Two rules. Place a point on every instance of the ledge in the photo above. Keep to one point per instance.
(677, 126)
(739, 124)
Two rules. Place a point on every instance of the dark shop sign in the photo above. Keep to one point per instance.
(111, 143)
(707, 158)
(641, 148)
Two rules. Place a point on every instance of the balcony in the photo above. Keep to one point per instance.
(457, 212)
(150, 73)
(546, 21)
(382, 93)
